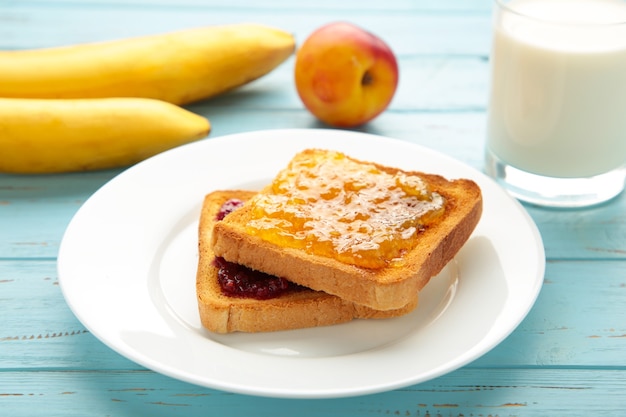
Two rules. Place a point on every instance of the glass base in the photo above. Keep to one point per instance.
(555, 192)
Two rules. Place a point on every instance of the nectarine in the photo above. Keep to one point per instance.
(345, 75)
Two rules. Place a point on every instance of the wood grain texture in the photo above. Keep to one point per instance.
(567, 357)
(409, 32)
(467, 392)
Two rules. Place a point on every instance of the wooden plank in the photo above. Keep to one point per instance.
(35, 210)
(31, 25)
(467, 392)
(577, 321)
(391, 6)
(589, 233)
(38, 330)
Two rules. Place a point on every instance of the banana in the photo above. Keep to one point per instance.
(65, 135)
(178, 67)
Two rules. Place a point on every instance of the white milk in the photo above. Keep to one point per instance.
(558, 94)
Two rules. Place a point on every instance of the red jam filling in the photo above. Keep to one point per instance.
(239, 281)
(228, 207)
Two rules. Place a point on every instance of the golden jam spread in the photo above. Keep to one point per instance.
(331, 205)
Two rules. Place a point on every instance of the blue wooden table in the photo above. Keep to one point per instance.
(567, 358)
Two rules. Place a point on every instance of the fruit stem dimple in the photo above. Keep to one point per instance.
(367, 78)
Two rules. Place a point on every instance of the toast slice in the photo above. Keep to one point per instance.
(438, 236)
(298, 307)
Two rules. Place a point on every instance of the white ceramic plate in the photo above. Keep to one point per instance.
(128, 259)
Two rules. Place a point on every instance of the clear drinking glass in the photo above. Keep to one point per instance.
(556, 131)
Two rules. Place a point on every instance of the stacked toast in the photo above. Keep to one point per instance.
(330, 239)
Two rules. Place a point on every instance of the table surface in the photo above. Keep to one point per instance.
(568, 356)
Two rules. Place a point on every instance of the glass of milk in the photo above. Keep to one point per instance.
(556, 131)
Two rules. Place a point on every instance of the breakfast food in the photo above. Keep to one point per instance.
(42, 136)
(179, 67)
(345, 75)
(366, 233)
(233, 298)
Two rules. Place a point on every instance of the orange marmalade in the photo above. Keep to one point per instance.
(331, 205)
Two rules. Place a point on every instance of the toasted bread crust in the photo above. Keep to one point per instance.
(306, 308)
(380, 289)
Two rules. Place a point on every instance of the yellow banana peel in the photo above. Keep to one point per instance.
(65, 135)
(178, 67)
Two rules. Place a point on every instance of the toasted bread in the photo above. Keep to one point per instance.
(298, 308)
(383, 288)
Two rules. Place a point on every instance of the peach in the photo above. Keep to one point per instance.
(344, 75)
